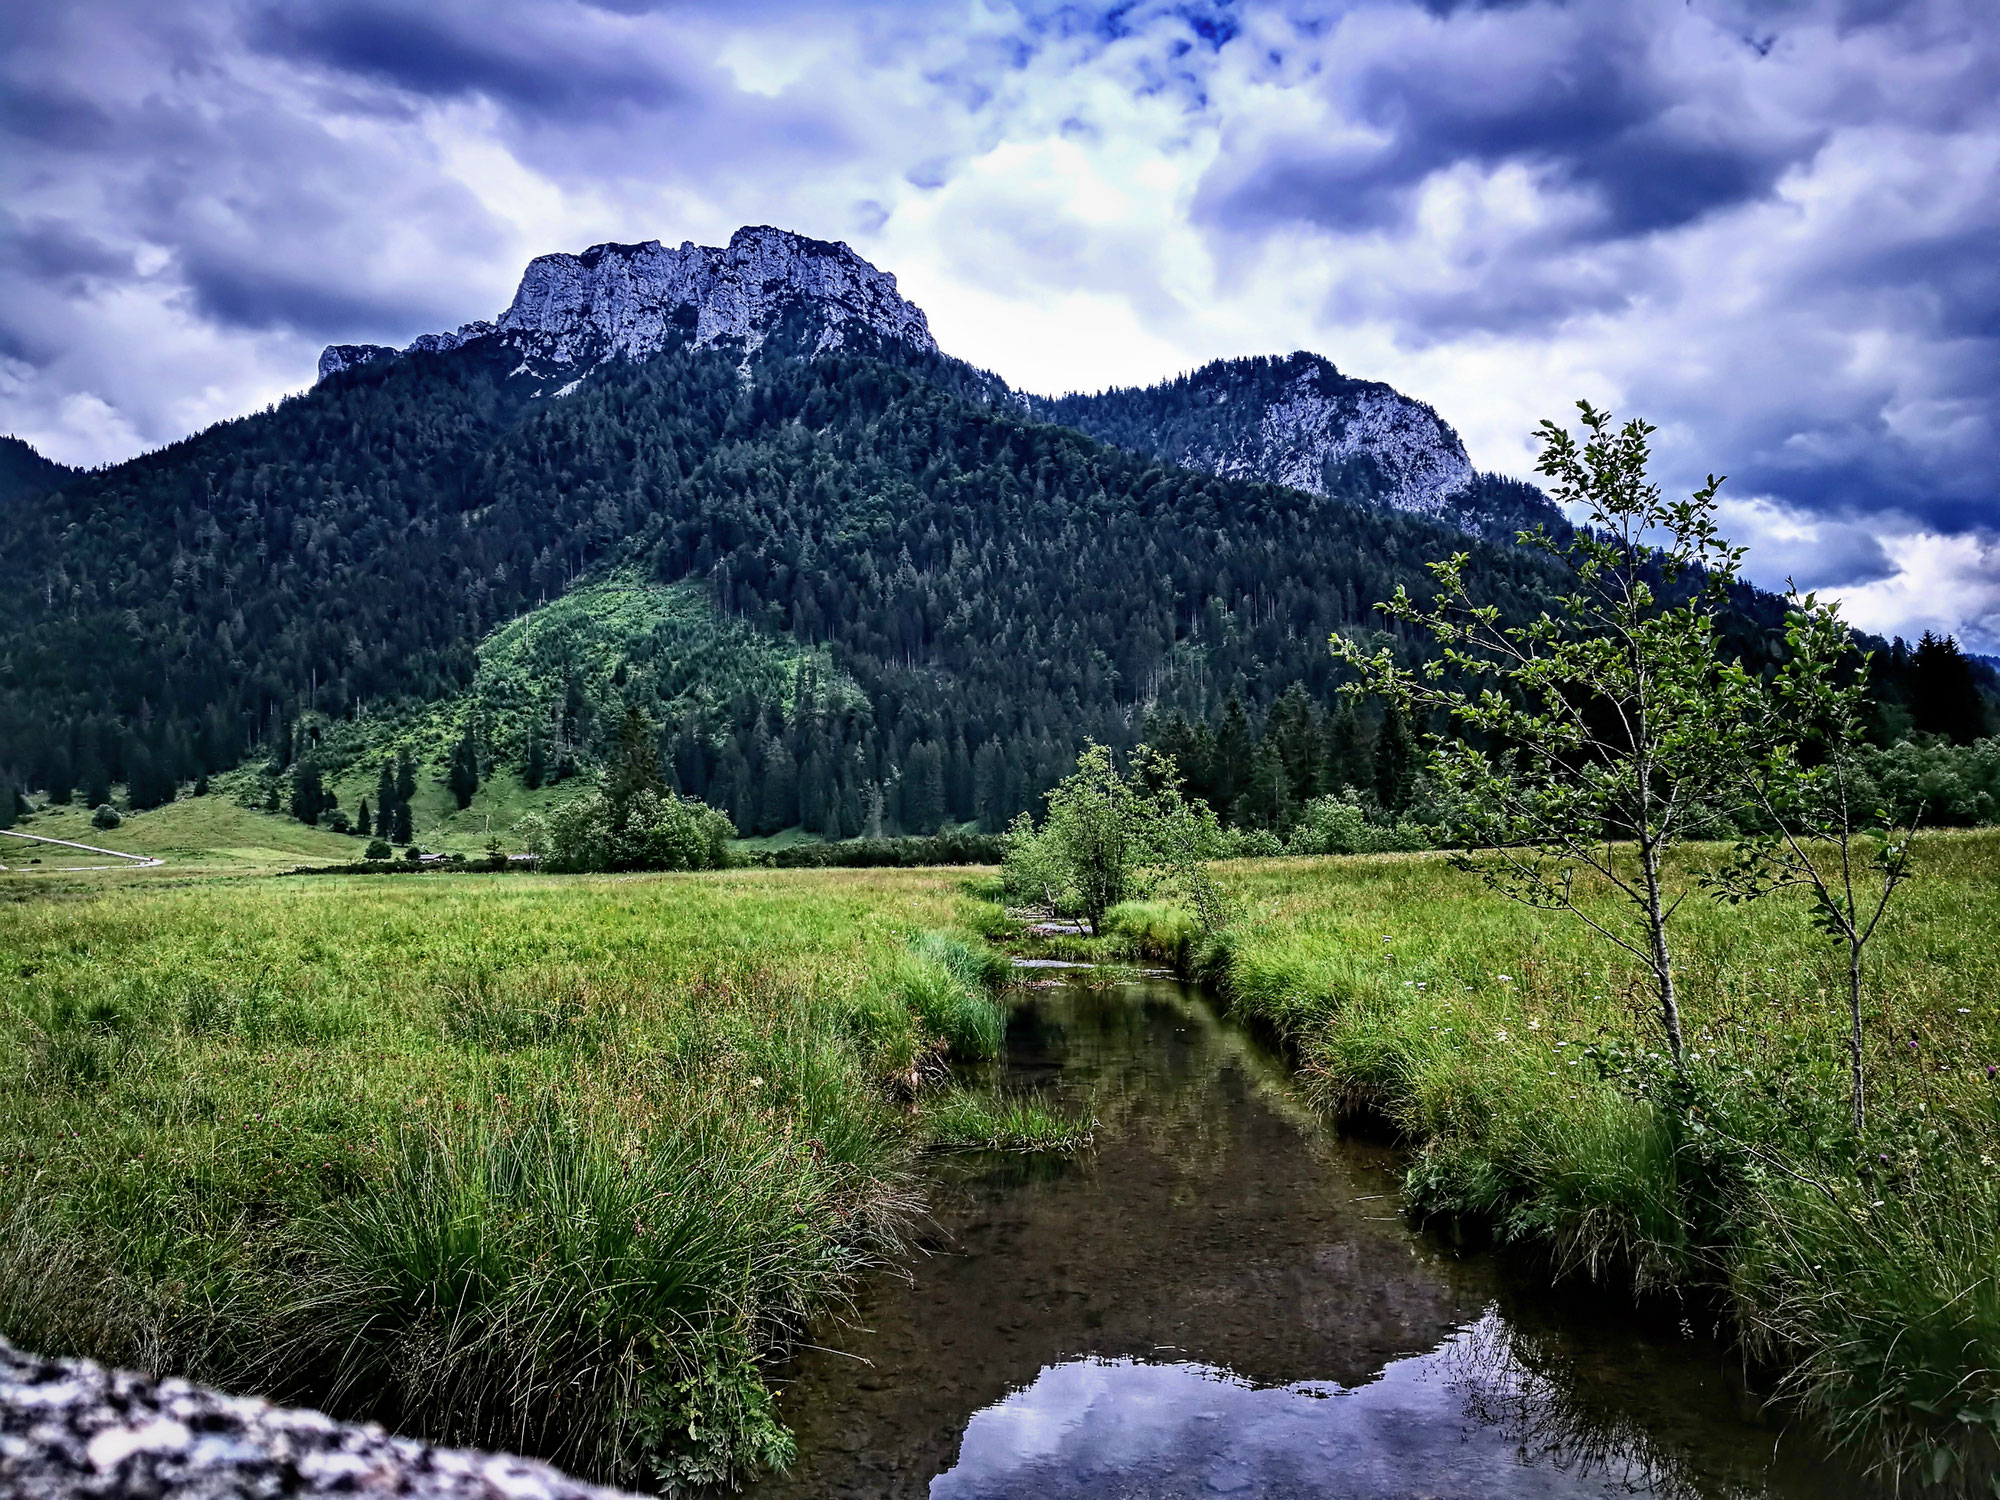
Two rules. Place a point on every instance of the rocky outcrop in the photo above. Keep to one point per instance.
(337, 357)
(1294, 421)
(630, 302)
(70, 1429)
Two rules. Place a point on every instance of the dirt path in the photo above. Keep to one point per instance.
(135, 860)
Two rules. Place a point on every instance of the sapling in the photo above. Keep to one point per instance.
(1800, 778)
(1600, 731)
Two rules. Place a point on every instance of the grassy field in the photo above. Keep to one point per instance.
(545, 1164)
(1521, 1059)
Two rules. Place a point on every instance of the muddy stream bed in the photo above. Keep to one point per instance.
(1221, 1298)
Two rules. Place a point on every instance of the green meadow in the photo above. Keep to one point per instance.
(562, 1164)
(538, 1163)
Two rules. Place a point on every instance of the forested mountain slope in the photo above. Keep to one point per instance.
(997, 588)
(25, 473)
(771, 425)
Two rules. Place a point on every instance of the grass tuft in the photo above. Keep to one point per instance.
(969, 1120)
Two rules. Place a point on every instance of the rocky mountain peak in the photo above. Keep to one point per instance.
(629, 302)
(1293, 420)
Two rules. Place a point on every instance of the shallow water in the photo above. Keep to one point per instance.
(1221, 1299)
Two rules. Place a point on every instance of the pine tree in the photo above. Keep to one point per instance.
(780, 807)
(536, 771)
(464, 775)
(635, 765)
(1230, 760)
(363, 823)
(401, 831)
(406, 778)
(308, 791)
(989, 787)
(1395, 763)
(1944, 696)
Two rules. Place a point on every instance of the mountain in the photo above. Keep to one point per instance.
(1298, 421)
(24, 473)
(857, 582)
(1295, 421)
(572, 313)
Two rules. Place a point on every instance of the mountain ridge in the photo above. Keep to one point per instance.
(1294, 419)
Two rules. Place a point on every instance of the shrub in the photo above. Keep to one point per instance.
(378, 849)
(1111, 837)
(655, 833)
(954, 848)
(1337, 825)
(105, 817)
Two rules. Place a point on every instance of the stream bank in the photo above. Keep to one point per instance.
(1223, 1298)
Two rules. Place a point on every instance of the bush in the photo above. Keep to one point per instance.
(1112, 837)
(904, 853)
(1337, 825)
(105, 817)
(413, 854)
(337, 822)
(655, 833)
(378, 849)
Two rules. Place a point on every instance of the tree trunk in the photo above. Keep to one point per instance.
(1663, 970)
(1854, 1036)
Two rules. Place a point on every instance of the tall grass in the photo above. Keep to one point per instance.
(1519, 1059)
(551, 1165)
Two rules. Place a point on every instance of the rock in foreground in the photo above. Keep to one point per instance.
(69, 1428)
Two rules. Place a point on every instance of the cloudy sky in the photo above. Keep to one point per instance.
(1772, 227)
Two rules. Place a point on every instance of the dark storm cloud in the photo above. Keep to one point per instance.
(1793, 208)
(1581, 99)
(526, 66)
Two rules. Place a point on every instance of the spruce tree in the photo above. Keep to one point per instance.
(385, 800)
(1395, 762)
(308, 792)
(1944, 696)
(464, 776)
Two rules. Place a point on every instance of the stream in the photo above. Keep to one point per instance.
(1222, 1299)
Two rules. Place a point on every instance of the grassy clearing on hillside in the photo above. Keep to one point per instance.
(209, 834)
(1520, 1056)
(543, 1164)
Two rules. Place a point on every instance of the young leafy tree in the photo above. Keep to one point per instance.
(1109, 837)
(1803, 776)
(1602, 730)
